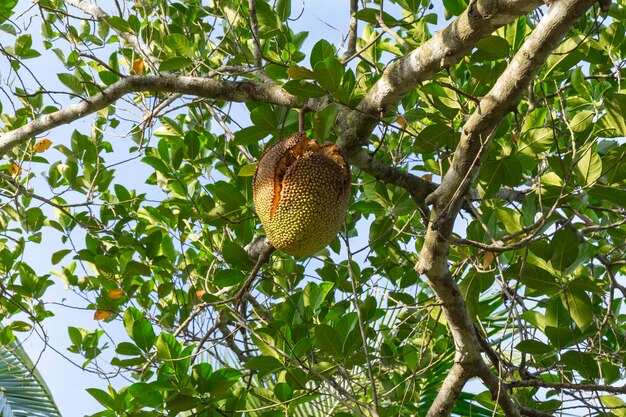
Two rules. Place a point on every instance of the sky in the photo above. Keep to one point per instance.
(327, 19)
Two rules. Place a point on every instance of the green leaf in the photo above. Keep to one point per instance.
(6, 336)
(612, 195)
(617, 405)
(612, 124)
(102, 397)
(495, 174)
(370, 16)
(557, 314)
(314, 294)
(322, 50)
(71, 82)
(118, 23)
(247, 170)
(139, 329)
(434, 137)
(303, 89)
(612, 37)
(168, 348)
(535, 141)
(582, 121)
(229, 194)
(264, 365)
(579, 306)
(533, 347)
(221, 380)
(564, 57)
(6, 9)
(560, 337)
(589, 166)
(454, 7)
(581, 85)
(380, 231)
(156, 163)
(329, 73)
(283, 9)
(535, 278)
(328, 340)
(59, 255)
(491, 48)
(283, 391)
(263, 118)
(296, 72)
(564, 245)
(324, 121)
(249, 135)
(235, 255)
(175, 63)
(128, 349)
(269, 21)
(23, 45)
(179, 44)
(511, 219)
(201, 373)
(582, 362)
(228, 277)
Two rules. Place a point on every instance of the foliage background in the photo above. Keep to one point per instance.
(356, 331)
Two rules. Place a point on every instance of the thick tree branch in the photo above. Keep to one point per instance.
(418, 187)
(504, 96)
(452, 385)
(236, 91)
(449, 196)
(446, 48)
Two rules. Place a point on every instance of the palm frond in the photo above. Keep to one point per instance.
(23, 390)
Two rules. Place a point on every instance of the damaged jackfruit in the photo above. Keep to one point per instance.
(301, 191)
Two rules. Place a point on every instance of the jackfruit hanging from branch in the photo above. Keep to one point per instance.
(301, 191)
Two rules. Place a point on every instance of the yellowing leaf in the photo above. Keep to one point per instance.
(138, 66)
(102, 314)
(42, 145)
(296, 72)
(488, 259)
(116, 293)
(15, 169)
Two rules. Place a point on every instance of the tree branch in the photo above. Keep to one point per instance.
(565, 386)
(503, 98)
(446, 48)
(498, 391)
(449, 196)
(352, 34)
(452, 386)
(236, 91)
(254, 27)
(418, 187)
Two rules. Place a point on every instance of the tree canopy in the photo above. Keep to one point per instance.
(479, 271)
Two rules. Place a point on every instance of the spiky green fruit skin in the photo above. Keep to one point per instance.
(314, 194)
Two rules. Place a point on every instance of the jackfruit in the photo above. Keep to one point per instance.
(301, 191)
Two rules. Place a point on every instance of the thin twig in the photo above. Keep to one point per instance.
(370, 367)
(352, 34)
(254, 26)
